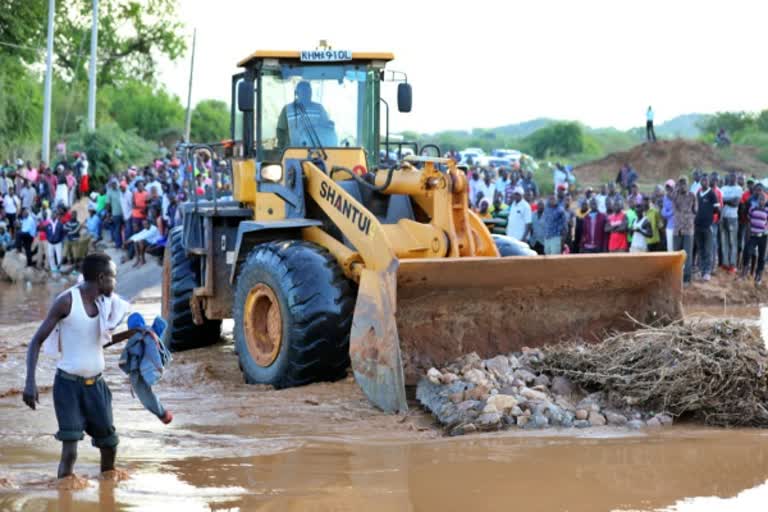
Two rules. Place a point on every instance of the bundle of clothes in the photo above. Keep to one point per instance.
(144, 358)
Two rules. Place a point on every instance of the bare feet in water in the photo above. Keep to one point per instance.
(69, 483)
(115, 475)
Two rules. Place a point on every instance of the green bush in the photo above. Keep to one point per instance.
(150, 111)
(210, 121)
(111, 149)
(556, 139)
(757, 139)
(732, 122)
(21, 108)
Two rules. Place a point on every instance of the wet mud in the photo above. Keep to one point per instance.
(323, 447)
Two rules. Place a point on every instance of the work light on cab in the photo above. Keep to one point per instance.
(272, 172)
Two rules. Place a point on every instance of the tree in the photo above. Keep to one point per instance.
(210, 121)
(147, 110)
(559, 139)
(22, 25)
(110, 149)
(732, 122)
(762, 121)
(21, 105)
(132, 35)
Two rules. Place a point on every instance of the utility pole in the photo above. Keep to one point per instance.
(188, 122)
(45, 153)
(92, 68)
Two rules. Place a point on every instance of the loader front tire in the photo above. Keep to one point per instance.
(293, 314)
(179, 281)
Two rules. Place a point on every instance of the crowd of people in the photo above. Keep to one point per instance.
(721, 222)
(133, 210)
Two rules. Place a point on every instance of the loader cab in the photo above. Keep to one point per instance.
(321, 101)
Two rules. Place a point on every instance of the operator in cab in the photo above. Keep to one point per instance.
(304, 123)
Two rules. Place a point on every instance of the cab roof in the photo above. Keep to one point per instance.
(296, 55)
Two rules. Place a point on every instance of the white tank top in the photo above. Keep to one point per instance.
(81, 350)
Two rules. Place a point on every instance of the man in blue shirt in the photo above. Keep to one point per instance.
(554, 222)
(93, 224)
(26, 235)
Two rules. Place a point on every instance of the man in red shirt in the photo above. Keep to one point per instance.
(139, 211)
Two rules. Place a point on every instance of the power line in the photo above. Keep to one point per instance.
(40, 50)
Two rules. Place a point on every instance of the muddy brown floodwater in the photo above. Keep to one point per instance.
(322, 447)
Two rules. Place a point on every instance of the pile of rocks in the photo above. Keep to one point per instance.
(471, 394)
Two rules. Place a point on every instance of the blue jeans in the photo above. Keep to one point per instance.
(83, 405)
(729, 230)
(145, 394)
(553, 245)
(117, 230)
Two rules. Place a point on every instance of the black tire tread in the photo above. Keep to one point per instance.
(321, 322)
(184, 333)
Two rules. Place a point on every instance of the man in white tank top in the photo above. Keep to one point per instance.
(81, 398)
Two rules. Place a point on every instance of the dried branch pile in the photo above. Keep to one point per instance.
(709, 372)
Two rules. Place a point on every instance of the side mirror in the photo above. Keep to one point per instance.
(245, 98)
(404, 97)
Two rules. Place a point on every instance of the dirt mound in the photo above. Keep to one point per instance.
(665, 159)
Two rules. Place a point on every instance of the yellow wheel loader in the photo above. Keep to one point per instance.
(324, 259)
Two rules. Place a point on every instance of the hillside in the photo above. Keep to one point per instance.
(667, 159)
(685, 126)
(524, 129)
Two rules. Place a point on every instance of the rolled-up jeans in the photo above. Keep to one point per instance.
(729, 232)
(702, 239)
(683, 242)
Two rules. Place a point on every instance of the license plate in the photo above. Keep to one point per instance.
(325, 55)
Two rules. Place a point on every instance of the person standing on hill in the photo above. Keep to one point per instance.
(650, 133)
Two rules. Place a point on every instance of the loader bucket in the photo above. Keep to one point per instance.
(444, 308)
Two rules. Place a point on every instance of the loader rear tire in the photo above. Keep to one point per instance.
(293, 314)
(179, 280)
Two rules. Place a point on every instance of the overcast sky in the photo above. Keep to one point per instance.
(488, 63)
